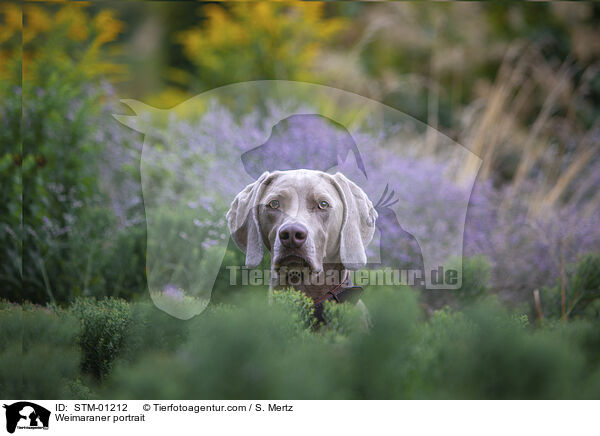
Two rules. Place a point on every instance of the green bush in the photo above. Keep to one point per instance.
(299, 306)
(257, 350)
(102, 332)
(39, 356)
(343, 319)
(152, 329)
(486, 352)
(585, 287)
(113, 329)
(252, 349)
(475, 285)
(102, 259)
(248, 351)
(582, 291)
(475, 277)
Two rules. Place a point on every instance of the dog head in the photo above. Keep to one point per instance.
(305, 218)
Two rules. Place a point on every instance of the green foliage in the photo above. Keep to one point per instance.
(116, 267)
(10, 145)
(585, 287)
(256, 350)
(486, 352)
(64, 225)
(102, 332)
(475, 285)
(475, 277)
(60, 165)
(112, 329)
(10, 196)
(300, 307)
(151, 329)
(30, 335)
(342, 320)
(58, 238)
(582, 291)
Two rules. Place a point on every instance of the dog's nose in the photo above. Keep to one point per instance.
(293, 235)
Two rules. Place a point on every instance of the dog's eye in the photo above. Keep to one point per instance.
(273, 204)
(323, 204)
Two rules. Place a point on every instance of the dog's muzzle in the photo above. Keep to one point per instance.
(293, 247)
(293, 235)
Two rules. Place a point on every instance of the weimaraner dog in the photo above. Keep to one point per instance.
(315, 225)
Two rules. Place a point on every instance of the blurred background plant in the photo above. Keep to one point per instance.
(520, 92)
(517, 84)
(260, 41)
(69, 236)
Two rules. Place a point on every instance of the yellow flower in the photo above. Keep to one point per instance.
(108, 27)
(11, 21)
(76, 20)
(68, 47)
(265, 39)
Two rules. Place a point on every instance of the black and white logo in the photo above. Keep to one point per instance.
(26, 415)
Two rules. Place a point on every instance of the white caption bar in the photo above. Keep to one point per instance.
(265, 417)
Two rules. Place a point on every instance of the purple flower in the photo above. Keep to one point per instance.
(173, 292)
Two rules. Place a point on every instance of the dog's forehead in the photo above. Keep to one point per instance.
(304, 181)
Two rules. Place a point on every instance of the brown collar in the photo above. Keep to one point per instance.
(343, 292)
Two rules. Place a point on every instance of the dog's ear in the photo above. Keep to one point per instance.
(242, 219)
(358, 222)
